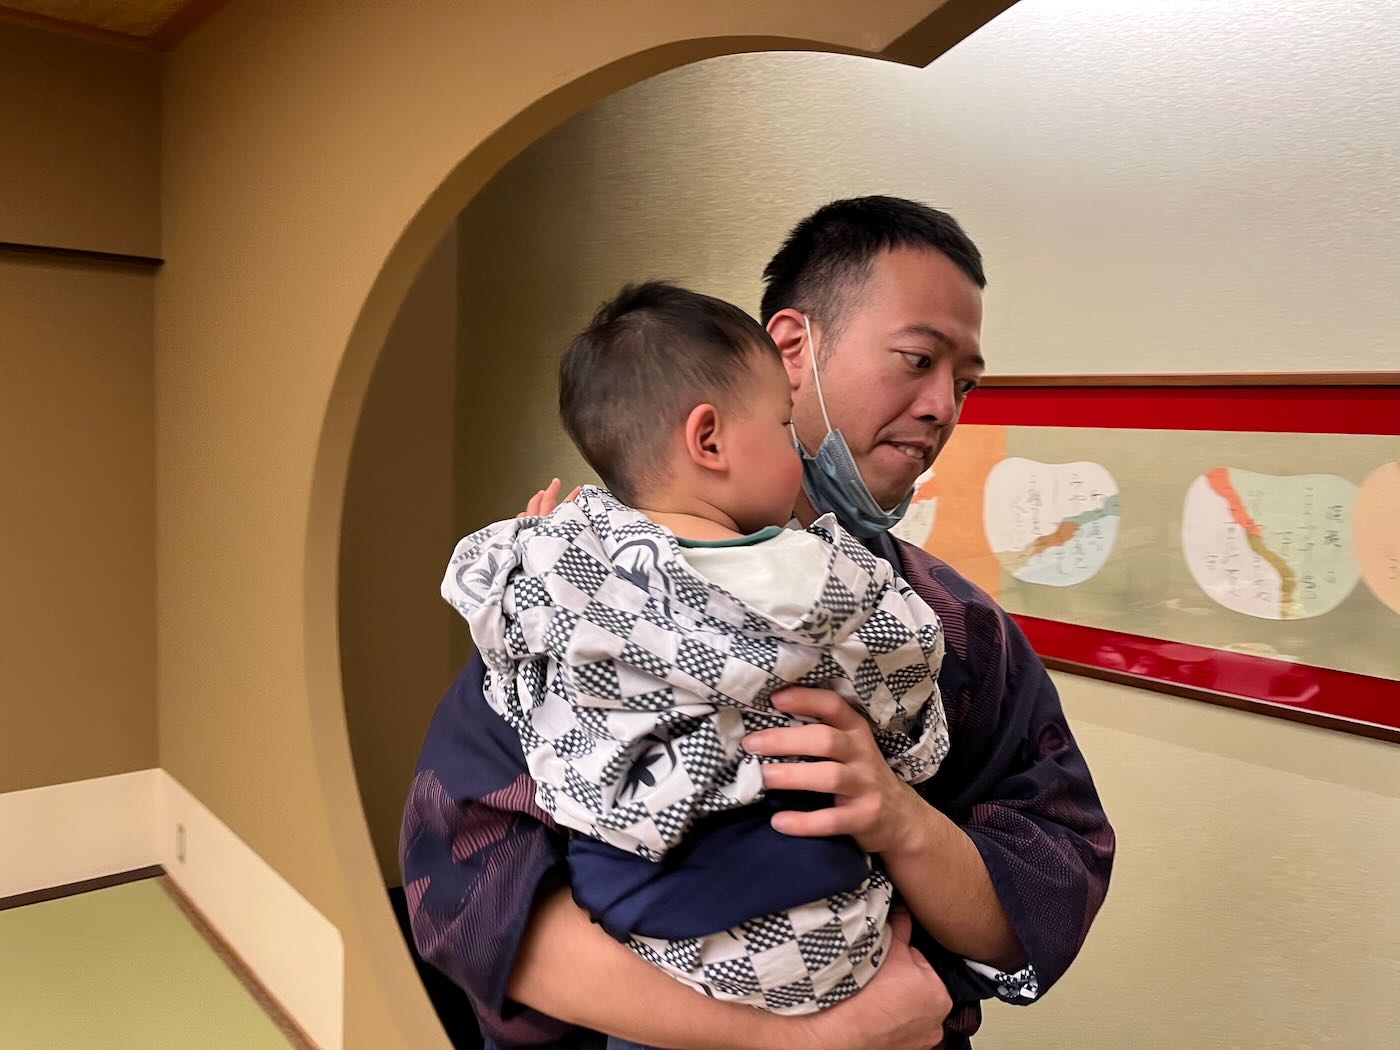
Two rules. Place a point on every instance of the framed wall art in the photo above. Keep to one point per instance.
(1229, 538)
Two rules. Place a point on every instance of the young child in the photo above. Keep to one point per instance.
(636, 634)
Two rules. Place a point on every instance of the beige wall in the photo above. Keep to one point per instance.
(1165, 187)
(396, 634)
(313, 154)
(77, 635)
(1254, 902)
(1174, 187)
(81, 126)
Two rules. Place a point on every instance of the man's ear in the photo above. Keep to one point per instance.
(790, 334)
(702, 438)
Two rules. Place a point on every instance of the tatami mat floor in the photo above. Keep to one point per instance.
(121, 968)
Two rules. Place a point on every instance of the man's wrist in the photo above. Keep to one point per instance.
(941, 875)
(925, 828)
(747, 1028)
(784, 1033)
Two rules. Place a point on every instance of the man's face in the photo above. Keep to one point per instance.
(908, 351)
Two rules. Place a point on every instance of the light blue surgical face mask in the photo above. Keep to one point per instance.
(832, 480)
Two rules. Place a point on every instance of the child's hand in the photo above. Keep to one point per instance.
(546, 499)
(873, 806)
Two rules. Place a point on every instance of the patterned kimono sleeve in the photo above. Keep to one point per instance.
(1016, 782)
(475, 849)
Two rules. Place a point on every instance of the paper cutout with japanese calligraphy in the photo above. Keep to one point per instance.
(1278, 548)
(1050, 523)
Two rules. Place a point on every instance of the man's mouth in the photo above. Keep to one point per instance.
(918, 453)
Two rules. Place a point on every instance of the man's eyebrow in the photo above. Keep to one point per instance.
(920, 328)
(927, 331)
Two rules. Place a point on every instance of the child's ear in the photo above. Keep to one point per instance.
(702, 438)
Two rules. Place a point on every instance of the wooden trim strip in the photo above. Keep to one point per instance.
(1198, 379)
(102, 882)
(950, 23)
(184, 22)
(1239, 703)
(50, 251)
(93, 34)
(230, 958)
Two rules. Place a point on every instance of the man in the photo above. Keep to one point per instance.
(1003, 858)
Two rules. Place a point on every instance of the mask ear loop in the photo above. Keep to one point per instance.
(812, 349)
(821, 400)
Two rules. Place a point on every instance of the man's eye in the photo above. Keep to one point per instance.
(919, 361)
(966, 386)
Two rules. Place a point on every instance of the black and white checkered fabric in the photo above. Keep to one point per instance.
(631, 680)
(1020, 987)
(794, 962)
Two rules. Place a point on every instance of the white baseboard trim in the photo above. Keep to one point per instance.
(68, 833)
(51, 836)
(293, 949)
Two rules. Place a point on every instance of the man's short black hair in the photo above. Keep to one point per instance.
(648, 357)
(829, 254)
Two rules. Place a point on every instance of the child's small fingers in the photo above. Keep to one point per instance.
(543, 502)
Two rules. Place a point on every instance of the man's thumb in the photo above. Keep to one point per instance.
(901, 925)
(920, 961)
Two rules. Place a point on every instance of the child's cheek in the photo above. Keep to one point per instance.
(792, 475)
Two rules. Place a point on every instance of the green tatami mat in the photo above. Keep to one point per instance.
(120, 969)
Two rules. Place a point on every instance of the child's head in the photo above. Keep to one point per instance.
(680, 401)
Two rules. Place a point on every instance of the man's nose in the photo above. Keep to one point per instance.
(937, 398)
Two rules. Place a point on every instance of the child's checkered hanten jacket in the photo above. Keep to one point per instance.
(631, 680)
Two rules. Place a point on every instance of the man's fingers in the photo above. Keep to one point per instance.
(822, 704)
(574, 494)
(809, 741)
(830, 778)
(818, 823)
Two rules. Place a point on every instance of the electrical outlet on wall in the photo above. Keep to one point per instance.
(180, 843)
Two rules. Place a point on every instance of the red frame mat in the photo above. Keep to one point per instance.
(1339, 699)
(1278, 410)
(1289, 687)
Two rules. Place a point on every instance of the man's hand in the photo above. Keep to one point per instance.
(546, 499)
(881, 812)
(934, 865)
(570, 969)
(902, 1008)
